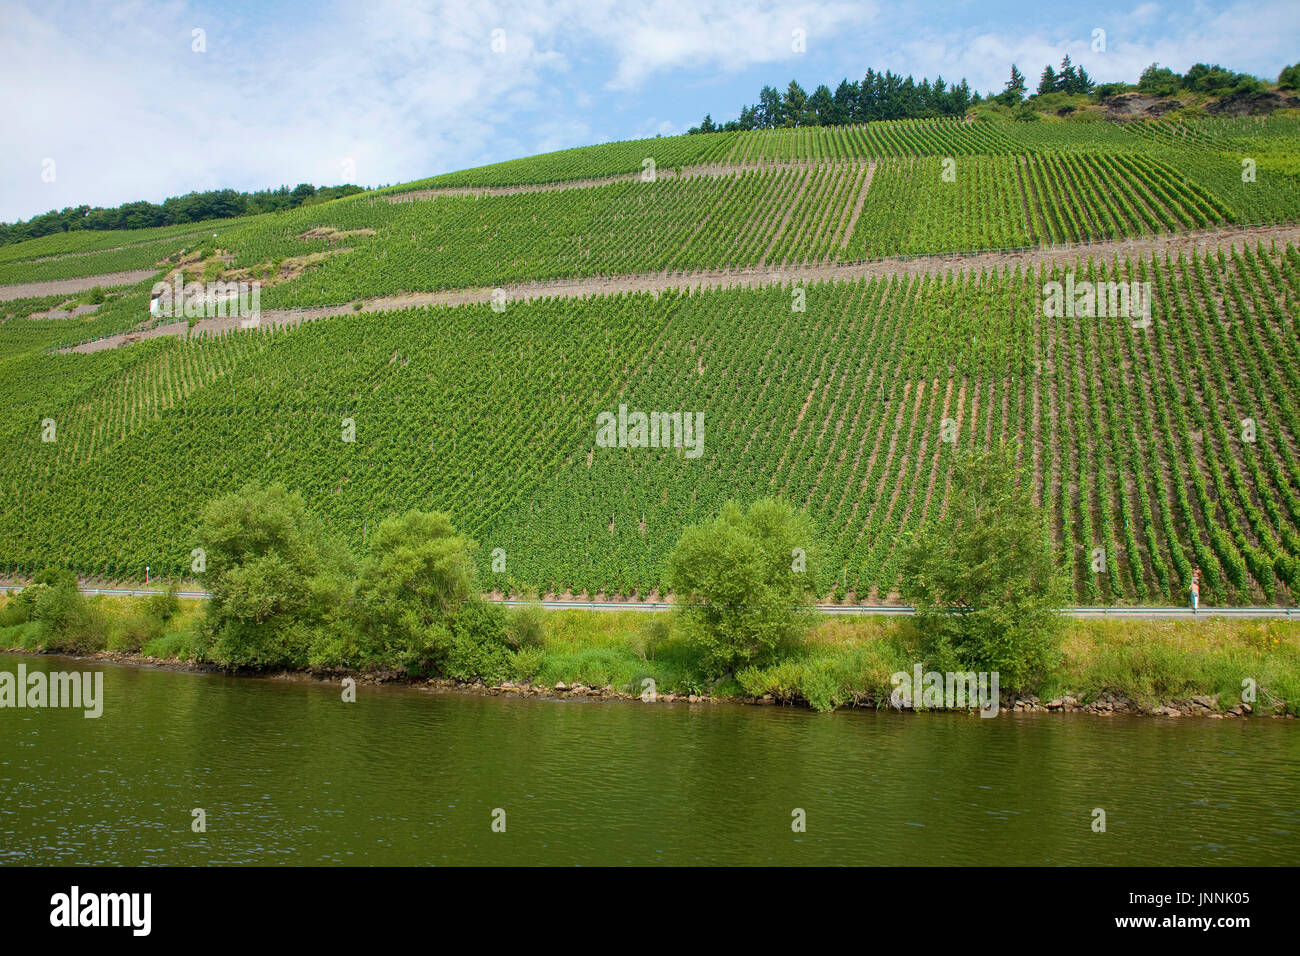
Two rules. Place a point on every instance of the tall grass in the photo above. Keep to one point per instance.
(842, 661)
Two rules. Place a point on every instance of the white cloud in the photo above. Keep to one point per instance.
(119, 99)
(115, 95)
(128, 110)
(660, 35)
(1246, 36)
(661, 128)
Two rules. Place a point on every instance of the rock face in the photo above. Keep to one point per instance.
(1141, 106)
(1251, 104)
(1138, 106)
(1108, 703)
(1204, 703)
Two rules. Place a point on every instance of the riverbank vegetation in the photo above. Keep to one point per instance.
(286, 596)
(841, 661)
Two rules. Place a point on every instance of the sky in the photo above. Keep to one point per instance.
(109, 102)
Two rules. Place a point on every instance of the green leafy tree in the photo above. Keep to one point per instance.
(1067, 79)
(844, 103)
(983, 578)
(769, 107)
(1289, 78)
(793, 105)
(1157, 80)
(65, 620)
(1047, 82)
(740, 580)
(277, 580)
(417, 576)
(822, 105)
(1014, 91)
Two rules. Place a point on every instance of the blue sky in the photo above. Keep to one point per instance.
(130, 103)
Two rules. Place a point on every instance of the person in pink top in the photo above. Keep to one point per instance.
(1196, 589)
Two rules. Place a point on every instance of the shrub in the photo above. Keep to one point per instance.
(983, 578)
(24, 602)
(470, 660)
(65, 621)
(16, 610)
(527, 626)
(526, 663)
(740, 581)
(134, 629)
(825, 680)
(185, 645)
(653, 632)
(55, 577)
(22, 637)
(418, 575)
(164, 605)
(479, 649)
(593, 666)
(68, 623)
(276, 578)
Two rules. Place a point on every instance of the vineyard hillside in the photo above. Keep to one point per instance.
(1159, 429)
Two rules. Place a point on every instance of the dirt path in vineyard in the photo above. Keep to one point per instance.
(1145, 247)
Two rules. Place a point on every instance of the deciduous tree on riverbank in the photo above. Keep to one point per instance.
(741, 579)
(983, 578)
(277, 579)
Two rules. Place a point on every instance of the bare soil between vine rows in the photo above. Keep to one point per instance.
(1178, 244)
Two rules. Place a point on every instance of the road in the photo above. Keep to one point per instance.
(1143, 613)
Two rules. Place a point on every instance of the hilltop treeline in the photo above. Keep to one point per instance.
(879, 96)
(192, 207)
(884, 96)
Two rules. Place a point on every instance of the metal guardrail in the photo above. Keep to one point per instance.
(1120, 613)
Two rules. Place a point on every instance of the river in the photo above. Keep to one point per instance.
(286, 772)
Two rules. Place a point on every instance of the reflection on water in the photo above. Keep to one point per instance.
(288, 773)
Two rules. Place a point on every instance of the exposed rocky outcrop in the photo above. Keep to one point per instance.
(1138, 106)
(1252, 104)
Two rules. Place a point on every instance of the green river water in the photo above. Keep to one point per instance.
(287, 773)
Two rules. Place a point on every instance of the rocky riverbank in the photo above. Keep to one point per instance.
(1104, 705)
(1108, 705)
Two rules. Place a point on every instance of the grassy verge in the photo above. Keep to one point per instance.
(121, 625)
(843, 661)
